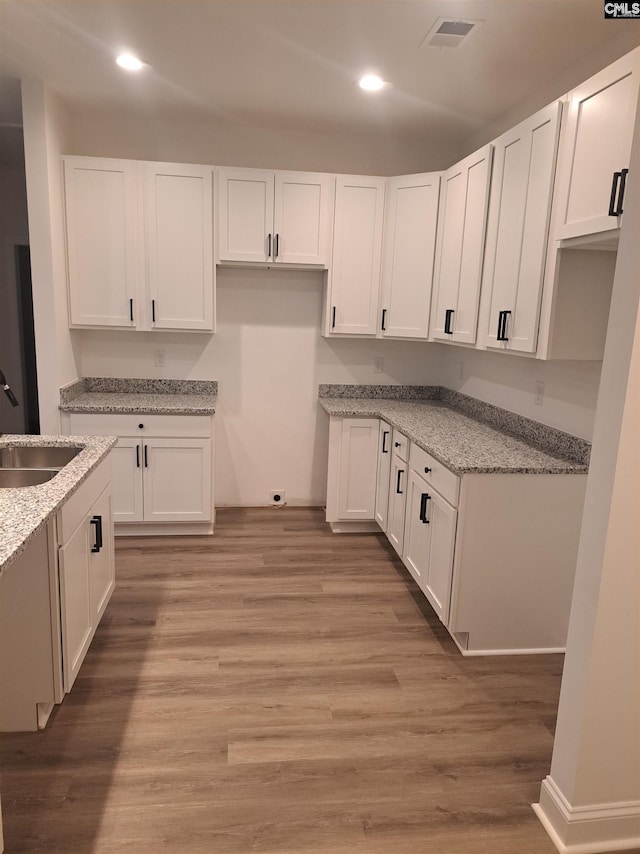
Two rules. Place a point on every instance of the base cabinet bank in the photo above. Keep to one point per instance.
(52, 599)
(494, 553)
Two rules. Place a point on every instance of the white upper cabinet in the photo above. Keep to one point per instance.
(101, 241)
(354, 275)
(460, 249)
(274, 217)
(179, 232)
(139, 244)
(408, 254)
(517, 231)
(595, 149)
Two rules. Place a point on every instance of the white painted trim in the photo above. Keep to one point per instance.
(156, 529)
(587, 829)
(541, 651)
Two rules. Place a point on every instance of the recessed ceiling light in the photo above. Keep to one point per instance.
(129, 62)
(372, 83)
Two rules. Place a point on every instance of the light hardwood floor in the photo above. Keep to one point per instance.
(277, 688)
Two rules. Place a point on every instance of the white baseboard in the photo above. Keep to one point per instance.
(587, 829)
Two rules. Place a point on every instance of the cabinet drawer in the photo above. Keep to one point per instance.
(75, 508)
(438, 476)
(400, 445)
(139, 424)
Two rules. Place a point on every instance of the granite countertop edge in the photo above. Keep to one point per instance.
(380, 408)
(25, 511)
(132, 402)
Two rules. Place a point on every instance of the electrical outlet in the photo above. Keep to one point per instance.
(539, 394)
(278, 497)
(378, 364)
(160, 358)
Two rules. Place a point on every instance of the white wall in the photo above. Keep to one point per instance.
(570, 388)
(155, 138)
(269, 358)
(45, 124)
(626, 39)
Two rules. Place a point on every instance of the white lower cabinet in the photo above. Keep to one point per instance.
(87, 580)
(351, 482)
(429, 540)
(384, 470)
(162, 468)
(397, 502)
(494, 554)
(52, 601)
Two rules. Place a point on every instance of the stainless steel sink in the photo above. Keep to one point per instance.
(36, 457)
(15, 478)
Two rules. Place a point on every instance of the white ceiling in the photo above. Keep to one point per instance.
(293, 63)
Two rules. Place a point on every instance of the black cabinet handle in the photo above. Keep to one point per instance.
(400, 473)
(385, 434)
(623, 185)
(384, 319)
(614, 193)
(502, 326)
(277, 246)
(131, 310)
(269, 244)
(137, 456)
(141, 426)
(333, 318)
(447, 321)
(396, 444)
(146, 458)
(427, 469)
(97, 522)
(153, 310)
(423, 507)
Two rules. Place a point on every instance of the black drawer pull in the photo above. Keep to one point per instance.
(153, 310)
(400, 473)
(423, 507)
(383, 324)
(502, 326)
(137, 456)
(427, 469)
(277, 252)
(146, 458)
(385, 434)
(396, 444)
(623, 185)
(333, 318)
(97, 522)
(131, 310)
(447, 321)
(269, 249)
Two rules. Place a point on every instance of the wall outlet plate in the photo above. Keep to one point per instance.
(160, 358)
(539, 398)
(277, 497)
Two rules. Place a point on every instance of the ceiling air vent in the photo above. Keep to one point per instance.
(447, 33)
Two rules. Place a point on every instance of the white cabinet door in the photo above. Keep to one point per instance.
(126, 459)
(595, 147)
(517, 230)
(75, 600)
(102, 576)
(384, 468)
(460, 251)
(409, 247)
(397, 503)
(177, 480)
(245, 215)
(101, 241)
(354, 277)
(179, 237)
(302, 218)
(358, 468)
(429, 543)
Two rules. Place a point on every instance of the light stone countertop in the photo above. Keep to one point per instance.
(141, 402)
(162, 397)
(26, 510)
(463, 444)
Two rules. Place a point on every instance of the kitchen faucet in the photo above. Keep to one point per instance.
(13, 400)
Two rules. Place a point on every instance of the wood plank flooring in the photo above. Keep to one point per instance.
(280, 689)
